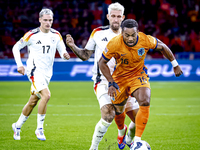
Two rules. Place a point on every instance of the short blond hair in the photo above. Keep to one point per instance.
(115, 6)
(45, 11)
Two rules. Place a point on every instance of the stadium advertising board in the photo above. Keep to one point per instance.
(76, 70)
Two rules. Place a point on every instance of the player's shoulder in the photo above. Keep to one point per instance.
(54, 31)
(115, 41)
(30, 33)
(143, 35)
(99, 30)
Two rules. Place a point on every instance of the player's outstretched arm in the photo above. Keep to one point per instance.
(164, 49)
(83, 54)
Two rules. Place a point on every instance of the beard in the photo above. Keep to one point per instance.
(115, 26)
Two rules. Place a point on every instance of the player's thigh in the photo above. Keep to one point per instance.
(101, 91)
(123, 95)
(140, 89)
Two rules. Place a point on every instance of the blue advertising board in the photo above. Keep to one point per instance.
(77, 70)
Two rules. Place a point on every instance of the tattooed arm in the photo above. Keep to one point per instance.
(83, 54)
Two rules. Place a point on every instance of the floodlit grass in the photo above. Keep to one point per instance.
(73, 111)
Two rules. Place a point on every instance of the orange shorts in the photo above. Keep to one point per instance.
(128, 86)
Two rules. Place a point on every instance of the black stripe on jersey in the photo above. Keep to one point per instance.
(98, 78)
(53, 31)
(103, 27)
(36, 30)
(33, 69)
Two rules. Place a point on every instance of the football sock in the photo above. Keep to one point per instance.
(100, 129)
(119, 120)
(141, 120)
(131, 133)
(40, 120)
(22, 119)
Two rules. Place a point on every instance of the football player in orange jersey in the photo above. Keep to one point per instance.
(96, 44)
(130, 76)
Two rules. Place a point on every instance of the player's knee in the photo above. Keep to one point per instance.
(108, 112)
(47, 97)
(145, 100)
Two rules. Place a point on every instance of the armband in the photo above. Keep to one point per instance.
(174, 63)
(114, 85)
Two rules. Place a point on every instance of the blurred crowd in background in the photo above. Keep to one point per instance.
(175, 22)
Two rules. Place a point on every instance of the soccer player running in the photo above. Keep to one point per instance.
(96, 44)
(42, 43)
(130, 76)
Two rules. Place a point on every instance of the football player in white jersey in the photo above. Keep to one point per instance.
(96, 44)
(42, 43)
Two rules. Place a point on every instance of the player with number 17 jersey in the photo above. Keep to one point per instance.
(41, 49)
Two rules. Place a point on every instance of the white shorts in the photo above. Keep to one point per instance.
(131, 104)
(104, 99)
(39, 82)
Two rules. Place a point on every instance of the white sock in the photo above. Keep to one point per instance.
(100, 129)
(22, 119)
(137, 138)
(40, 120)
(130, 134)
(121, 132)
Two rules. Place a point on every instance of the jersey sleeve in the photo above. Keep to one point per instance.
(24, 41)
(91, 42)
(109, 51)
(61, 46)
(153, 42)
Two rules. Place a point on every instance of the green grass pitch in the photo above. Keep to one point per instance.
(73, 111)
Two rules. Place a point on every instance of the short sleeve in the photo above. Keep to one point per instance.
(91, 42)
(109, 51)
(153, 42)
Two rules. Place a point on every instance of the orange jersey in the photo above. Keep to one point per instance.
(130, 60)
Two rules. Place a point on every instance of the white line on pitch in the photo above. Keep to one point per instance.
(51, 114)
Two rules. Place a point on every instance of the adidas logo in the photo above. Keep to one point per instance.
(39, 42)
(105, 39)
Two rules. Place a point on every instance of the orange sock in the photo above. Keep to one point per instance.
(119, 120)
(141, 120)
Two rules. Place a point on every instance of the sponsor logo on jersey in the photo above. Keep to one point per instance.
(39, 42)
(105, 39)
(141, 51)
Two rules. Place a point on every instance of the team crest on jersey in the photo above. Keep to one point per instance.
(141, 51)
(53, 40)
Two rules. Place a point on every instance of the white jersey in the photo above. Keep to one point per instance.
(98, 41)
(41, 48)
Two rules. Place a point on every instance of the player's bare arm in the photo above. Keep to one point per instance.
(83, 54)
(164, 49)
(106, 72)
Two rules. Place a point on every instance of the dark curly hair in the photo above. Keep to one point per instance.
(129, 23)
